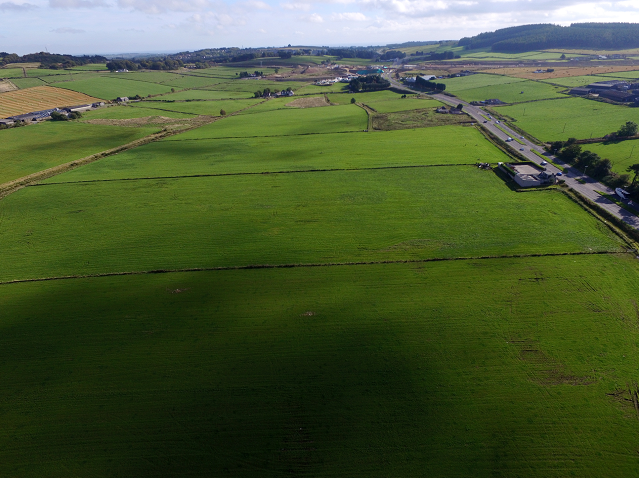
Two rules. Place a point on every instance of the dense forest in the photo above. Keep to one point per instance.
(524, 38)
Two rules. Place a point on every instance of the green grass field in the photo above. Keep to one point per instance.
(393, 370)
(131, 111)
(201, 95)
(516, 92)
(11, 73)
(574, 81)
(109, 88)
(622, 154)
(379, 305)
(413, 147)
(211, 108)
(291, 121)
(455, 85)
(569, 118)
(27, 150)
(28, 82)
(284, 219)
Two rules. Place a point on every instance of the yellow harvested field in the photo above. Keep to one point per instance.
(560, 72)
(6, 85)
(39, 98)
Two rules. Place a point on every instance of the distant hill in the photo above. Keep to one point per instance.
(607, 36)
(48, 59)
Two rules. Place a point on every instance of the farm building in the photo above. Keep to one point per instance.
(528, 175)
(78, 109)
(122, 99)
(621, 96)
(581, 91)
(377, 71)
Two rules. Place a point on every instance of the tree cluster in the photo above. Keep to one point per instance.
(246, 74)
(166, 63)
(542, 36)
(369, 83)
(392, 54)
(429, 85)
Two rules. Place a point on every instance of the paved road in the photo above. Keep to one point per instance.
(589, 189)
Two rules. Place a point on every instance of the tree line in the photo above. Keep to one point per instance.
(368, 83)
(166, 63)
(542, 36)
(50, 60)
(596, 166)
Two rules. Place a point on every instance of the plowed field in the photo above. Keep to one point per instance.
(39, 98)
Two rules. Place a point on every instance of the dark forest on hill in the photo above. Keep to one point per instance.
(536, 37)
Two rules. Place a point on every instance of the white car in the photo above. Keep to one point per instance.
(544, 162)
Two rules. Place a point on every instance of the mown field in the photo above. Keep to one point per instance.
(373, 304)
(569, 118)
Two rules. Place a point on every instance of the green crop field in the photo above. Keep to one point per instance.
(512, 92)
(283, 293)
(412, 147)
(191, 81)
(109, 88)
(291, 121)
(314, 89)
(569, 118)
(622, 154)
(31, 149)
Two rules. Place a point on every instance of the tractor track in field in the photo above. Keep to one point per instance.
(305, 265)
(263, 173)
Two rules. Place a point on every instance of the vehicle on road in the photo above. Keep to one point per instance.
(521, 137)
(560, 173)
(621, 193)
(544, 162)
(509, 139)
(485, 121)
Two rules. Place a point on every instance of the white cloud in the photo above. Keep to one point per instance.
(305, 7)
(16, 7)
(130, 30)
(66, 4)
(74, 31)
(161, 6)
(349, 16)
(313, 18)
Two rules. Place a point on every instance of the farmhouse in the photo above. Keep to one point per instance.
(122, 99)
(528, 175)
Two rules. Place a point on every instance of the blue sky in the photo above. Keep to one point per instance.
(118, 26)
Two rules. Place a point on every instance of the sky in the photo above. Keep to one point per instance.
(140, 26)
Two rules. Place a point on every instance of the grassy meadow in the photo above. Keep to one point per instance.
(378, 149)
(622, 154)
(282, 292)
(51, 144)
(515, 92)
(569, 118)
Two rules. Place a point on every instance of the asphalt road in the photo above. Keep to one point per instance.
(588, 189)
